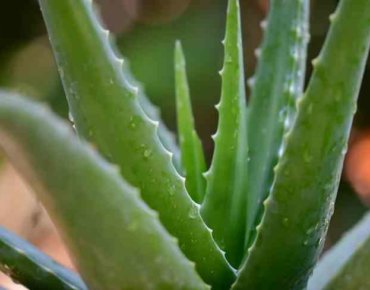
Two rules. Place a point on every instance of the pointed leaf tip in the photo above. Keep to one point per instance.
(122, 132)
(192, 152)
(224, 207)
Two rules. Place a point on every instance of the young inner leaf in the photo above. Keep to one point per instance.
(224, 207)
(192, 155)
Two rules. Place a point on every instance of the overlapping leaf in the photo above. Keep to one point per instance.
(115, 239)
(291, 234)
(106, 110)
(276, 86)
(32, 268)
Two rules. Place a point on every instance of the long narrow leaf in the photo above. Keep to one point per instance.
(32, 268)
(291, 234)
(193, 158)
(224, 207)
(107, 111)
(116, 241)
(346, 265)
(275, 88)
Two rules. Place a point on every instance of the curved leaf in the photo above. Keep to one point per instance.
(116, 241)
(107, 111)
(291, 234)
(346, 265)
(30, 267)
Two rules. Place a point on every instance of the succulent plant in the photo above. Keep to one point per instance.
(256, 219)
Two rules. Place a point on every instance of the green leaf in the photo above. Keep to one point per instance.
(106, 110)
(346, 265)
(116, 241)
(30, 267)
(224, 207)
(165, 135)
(277, 84)
(291, 234)
(191, 147)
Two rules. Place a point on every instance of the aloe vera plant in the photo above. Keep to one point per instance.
(256, 219)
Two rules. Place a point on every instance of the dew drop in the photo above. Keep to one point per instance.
(285, 222)
(132, 122)
(229, 59)
(171, 189)
(310, 230)
(147, 153)
(193, 212)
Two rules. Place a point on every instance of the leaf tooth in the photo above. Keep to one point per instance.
(206, 174)
(215, 136)
(134, 89)
(259, 226)
(316, 61)
(332, 17)
(221, 72)
(295, 53)
(156, 128)
(258, 52)
(119, 61)
(20, 251)
(263, 24)
(251, 82)
(115, 168)
(182, 178)
(217, 106)
(105, 33)
(168, 153)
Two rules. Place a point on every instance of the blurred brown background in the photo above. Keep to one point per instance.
(146, 31)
